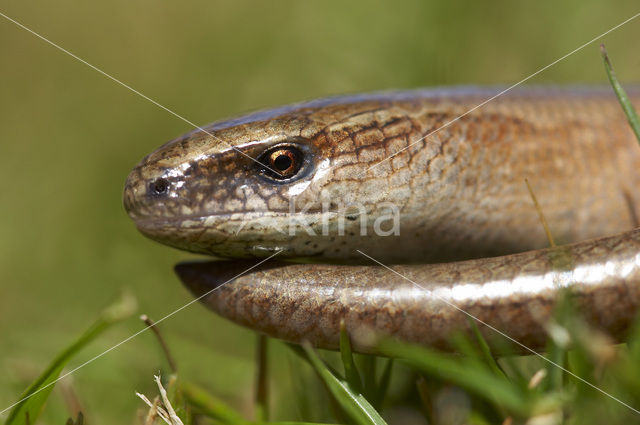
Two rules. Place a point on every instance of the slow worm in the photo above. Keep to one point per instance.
(324, 181)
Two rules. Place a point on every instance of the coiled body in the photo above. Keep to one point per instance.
(459, 194)
(423, 303)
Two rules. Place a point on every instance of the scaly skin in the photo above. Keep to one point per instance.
(514, 294)
(460, 194)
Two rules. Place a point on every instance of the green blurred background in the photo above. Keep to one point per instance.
(69, 136)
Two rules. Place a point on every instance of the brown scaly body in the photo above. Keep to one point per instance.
(515, 294)
(459, 194)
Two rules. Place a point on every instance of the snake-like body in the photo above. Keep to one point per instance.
(408, 178)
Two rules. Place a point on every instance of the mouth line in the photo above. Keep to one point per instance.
(157, 222)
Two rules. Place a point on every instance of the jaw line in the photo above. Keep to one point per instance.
(176, 222)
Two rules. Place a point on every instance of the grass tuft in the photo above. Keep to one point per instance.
(33, 399)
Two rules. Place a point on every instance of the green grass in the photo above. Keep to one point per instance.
(32, 400)
(472, 386)
(69, 137)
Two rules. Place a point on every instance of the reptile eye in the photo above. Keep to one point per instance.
(281, 162)
(159, 187)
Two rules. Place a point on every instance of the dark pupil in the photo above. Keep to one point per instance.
(159, 186)
(282, 162)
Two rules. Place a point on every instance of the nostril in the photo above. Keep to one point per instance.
(159, 187)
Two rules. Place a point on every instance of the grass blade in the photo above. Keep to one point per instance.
(36, 395)
(368, 367)
(178, 400)
(262, 386)
(488, 357)
(161, 341)
(210, 406)
(356, 406)
(78, 421)
(350, 369)
(383, 386)
(296, 423)
(628, 108)
(425, 398)
(300, 388)
(471, 375)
